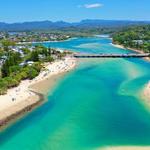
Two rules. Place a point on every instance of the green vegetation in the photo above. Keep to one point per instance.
(17, 66)
(18, 74)
(86, 32)
(13, 58)
(58, 34)
(137, 37)
(6, 44)
(30, 36)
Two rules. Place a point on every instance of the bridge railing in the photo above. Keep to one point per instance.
(111, 55)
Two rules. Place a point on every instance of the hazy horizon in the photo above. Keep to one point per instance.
(74, 21)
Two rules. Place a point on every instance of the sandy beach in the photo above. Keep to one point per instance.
(118, 46)
(145, 95)
(132, 49)
(29, 91)
(127, 148)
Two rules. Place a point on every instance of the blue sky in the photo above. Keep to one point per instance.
(73, 10)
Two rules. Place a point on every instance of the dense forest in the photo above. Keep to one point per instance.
(137, 37)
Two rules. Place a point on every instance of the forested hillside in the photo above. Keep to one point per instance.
(137, 37)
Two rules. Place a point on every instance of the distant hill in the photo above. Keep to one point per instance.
(110, 23)
(47, 25)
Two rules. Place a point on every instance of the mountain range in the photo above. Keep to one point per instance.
(47, 25)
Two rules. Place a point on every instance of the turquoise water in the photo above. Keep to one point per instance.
(93, 106)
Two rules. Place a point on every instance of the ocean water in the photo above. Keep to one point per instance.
(94, 106)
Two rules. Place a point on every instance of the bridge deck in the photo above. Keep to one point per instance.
(132, 55)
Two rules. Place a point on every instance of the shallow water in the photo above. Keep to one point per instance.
(93, 106)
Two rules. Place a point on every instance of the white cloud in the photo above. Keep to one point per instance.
(88, 6)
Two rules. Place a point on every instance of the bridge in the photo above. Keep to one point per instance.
(129, 55)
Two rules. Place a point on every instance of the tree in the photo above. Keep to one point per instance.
(32, 74)
(6, 44)
(25, 50)
(12, 60)
(134, 37)
(3, 87)
(49, 59)
(34, 56)
(11, 82)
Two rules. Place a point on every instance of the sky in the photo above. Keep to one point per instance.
(73, 10)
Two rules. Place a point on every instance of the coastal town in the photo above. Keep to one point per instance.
(21, 42)
(33, 36)
(22, 67)
(75, 75)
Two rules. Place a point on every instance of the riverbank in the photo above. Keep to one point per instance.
(145, 96)
(132, 49)
(145, 93)
(31, 92)
(41, 42)
(127, 148)
(118, 46)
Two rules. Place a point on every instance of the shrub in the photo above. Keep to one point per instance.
(32, 73)
(3, 87)
(11, 82)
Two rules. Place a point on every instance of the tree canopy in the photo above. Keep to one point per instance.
(134, 37)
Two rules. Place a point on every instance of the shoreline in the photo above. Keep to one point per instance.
(41, 42)
(20, 110)
(132, 49)
(145, 92)
(31, 94)
(145, 95)
(126, 148)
